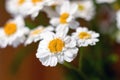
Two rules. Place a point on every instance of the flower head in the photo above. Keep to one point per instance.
(66, 12)
(17, 7)
(84, 37)
(13, 32)
(65, 19)
(36, 34)
(56, 49)
(85, 10)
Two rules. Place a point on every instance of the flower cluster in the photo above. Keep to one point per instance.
(61, 40)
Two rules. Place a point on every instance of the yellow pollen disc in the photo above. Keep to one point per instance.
(20, 2)
(84, 35)
(36, 31)
(56, 45)
(10, 28)
(36, 1)
(81, 7)
(63, 18)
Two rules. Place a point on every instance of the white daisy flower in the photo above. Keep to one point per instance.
(17, 7)
(55, 48)
(86, 9)
(35, 34)
(118, 19)
(26, 7)
(66, 17)
(13, 33)
(105, 1)
(35, 6)
(85, 37)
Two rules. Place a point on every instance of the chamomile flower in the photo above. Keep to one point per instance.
(65, 20)
(84, 37)
(105, 1)
(26, 7)
(118, 19)
(17, 7)
(35, 34)
(55, 48)
(35, 6)
(14, 32)
(85, 10)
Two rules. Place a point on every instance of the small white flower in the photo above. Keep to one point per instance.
(13, 33)
(118, 19)
(17, 7)
(35, 34)
(55, 48)
(65, 20)
(35, 6)
(105, 1)
(26, 7)
(86, 9)
(85, 37)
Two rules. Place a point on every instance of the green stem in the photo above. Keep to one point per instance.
(69, 66)
(80, 59)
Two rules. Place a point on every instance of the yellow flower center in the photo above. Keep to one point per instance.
(10, 28)
(20, 2)
(36, 31)
(36, 1)
(84, 35)
(81, 7)
(56, 45)
(63, 18)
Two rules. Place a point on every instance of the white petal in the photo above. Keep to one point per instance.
(65, 7)
(53, 61)
(71, 52)
(47, 35)
(54, 21)
(62, 30)
(70, 42)
(60, 59)
(73, 8)
(74, 24)
(34, 15)
(42, 53)
(68, 59)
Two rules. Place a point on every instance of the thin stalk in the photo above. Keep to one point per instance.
(80, 59)
(69, 66)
